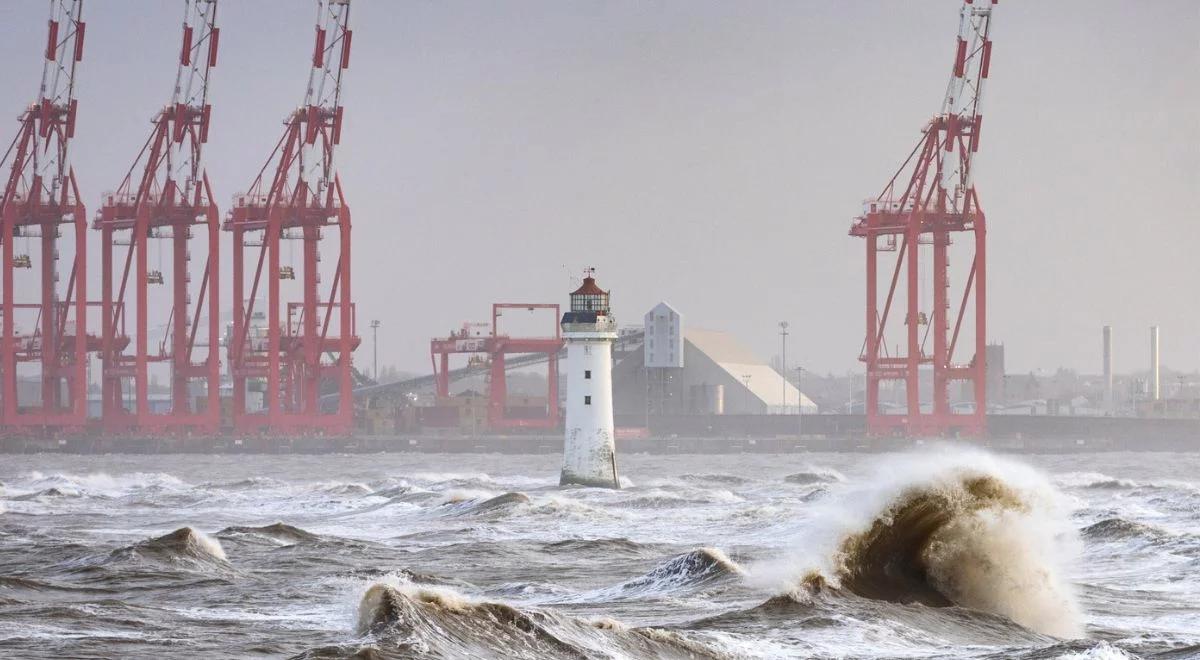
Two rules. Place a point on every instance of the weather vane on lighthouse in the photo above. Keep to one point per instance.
(589, 452)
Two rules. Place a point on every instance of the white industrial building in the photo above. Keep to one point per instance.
(679, 370)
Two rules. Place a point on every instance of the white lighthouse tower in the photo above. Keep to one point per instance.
(589, 454)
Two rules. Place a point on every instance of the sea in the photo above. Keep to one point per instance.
(942, 552)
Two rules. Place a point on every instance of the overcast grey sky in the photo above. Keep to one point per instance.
(711, 154)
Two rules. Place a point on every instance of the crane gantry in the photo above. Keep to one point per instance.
(165, 198)
(45, 339)
(294, 351)
(930, 199)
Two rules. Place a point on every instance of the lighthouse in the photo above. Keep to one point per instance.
(589, 329)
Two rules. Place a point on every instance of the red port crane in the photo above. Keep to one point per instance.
(930, 199)
(497, 346)
(45, 339)
(163, 200)
(293, 352)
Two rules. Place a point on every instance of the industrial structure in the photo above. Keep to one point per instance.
(160, 305)
(715, 374)
(44, 330)
(929, 200)
(292, 351)
(164, 198)
(589, 449)
(930, 370)
(490, 351)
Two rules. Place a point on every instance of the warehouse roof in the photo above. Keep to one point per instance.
(744, 367)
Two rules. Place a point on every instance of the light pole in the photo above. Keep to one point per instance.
(783, 335)
(746, 398)
(375, 347)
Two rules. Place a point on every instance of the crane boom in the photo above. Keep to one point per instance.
(963, 105)
(197, 58)
(323, 98)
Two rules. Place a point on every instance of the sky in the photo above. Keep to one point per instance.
(710, 154)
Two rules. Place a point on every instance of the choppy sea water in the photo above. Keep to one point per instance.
(943, 553)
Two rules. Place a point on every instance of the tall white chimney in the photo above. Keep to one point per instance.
(1155, 381)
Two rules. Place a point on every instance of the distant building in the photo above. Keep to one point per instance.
(1169, 408)
(663, 345)
(719, 376)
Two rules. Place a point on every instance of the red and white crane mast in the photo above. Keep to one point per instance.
(296, 196)
(962, 107)
(40, 199)
(931, 197)
(164, 197)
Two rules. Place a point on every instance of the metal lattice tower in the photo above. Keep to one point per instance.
(294, 351)
(930, 199)
(164, 199)
(45, 336)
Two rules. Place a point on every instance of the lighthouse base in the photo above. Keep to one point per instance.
(570, 479)
(591, 462)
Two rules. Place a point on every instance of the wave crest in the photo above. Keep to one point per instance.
(958, 528)
(1112, 530)
(441, 622)
(698, 567)
(182, 545)
(500, 501)
(277, 532)
(814, 474)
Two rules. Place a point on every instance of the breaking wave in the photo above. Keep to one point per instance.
(815, 475)
(1120, 529)
(957, 528)
(460, 496)
(557, 506)
(184, 545)
(278, 532)
(500, 502)
(47, 494)
(1093, 481)
(351, 488)
(103, 483)
(700, 567)
(418, 621)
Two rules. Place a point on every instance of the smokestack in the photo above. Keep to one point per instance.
(1155, 382)
(1109, 403)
